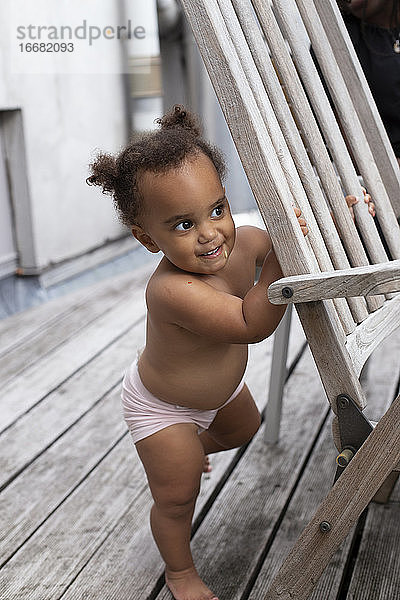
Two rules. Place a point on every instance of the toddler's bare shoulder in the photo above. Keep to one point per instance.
(170, 288)
(253, 240)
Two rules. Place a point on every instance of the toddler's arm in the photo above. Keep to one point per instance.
(195, 305)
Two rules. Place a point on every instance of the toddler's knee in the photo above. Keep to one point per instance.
(178, 504)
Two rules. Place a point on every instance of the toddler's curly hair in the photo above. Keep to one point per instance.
(178, 139)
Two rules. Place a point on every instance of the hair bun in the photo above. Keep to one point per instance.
(104, 173)
(178, 117)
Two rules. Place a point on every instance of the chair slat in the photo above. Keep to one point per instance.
(356, 138)
(304, 114)
(363, 101)
(268, 112)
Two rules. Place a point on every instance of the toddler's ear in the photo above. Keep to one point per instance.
(144, 239)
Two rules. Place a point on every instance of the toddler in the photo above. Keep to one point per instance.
(185, 397)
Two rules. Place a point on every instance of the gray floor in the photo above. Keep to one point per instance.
(74, 501)
(20, 293)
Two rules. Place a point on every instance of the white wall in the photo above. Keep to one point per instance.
(70, 105)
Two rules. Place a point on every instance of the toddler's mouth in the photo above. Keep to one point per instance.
(212, 253)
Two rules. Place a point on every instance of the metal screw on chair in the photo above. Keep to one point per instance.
(325, 526)
(287, 292)
(343, 401)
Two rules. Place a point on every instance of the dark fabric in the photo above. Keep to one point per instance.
(381, 65)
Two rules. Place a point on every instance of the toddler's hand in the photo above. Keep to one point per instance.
(351, 200)
(301, 220)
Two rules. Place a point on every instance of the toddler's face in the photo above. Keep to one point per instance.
(187, 216)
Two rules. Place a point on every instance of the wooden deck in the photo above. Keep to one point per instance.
(74, 501)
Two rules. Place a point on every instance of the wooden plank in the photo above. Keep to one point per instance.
(340, 509)
(314, 485)
(66, 404)
(52, 425)
(383, 376)
(384, 371)
(292, 29)
(377, 568)
(131, 541)
(74, 531)
(356, 139)
(275, 116)
(370, 333)
(42, 378)
(16, 330)
(65, 324)
(362, 98)
(358, 281)
(29, 500)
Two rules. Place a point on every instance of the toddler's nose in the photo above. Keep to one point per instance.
(207, 233)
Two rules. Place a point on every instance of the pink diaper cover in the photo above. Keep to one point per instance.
(145, 414)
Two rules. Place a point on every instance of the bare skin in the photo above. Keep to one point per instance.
(203, 310)
(377, 12)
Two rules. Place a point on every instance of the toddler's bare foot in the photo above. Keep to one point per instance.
(207, 468)
(187, 585)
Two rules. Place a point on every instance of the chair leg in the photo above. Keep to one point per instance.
(383, 494)
(339, 511)
(277, 378)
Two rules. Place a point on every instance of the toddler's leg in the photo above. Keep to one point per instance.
(234, 425)
(174, 459)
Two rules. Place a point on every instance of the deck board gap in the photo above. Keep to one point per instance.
(52, 349)
(218, 488)
(65, 498)
(71, 374)
(352, 557)
(258, 566)
(295, 361)
(17, 473)
(100, 544)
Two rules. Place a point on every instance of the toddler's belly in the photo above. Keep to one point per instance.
(203, 382)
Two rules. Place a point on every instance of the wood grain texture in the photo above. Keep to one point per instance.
(47, 375)
(326, 244)
(359, 281)
(381, 381)
(372, 331)
(291, 26)
(376, 573)
(364, 476)
(356, 138)
(362, 98)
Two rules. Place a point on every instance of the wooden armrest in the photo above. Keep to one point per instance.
(382, 278)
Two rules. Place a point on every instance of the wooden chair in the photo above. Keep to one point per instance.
(344, 275)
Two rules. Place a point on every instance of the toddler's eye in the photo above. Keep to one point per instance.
(218, 211)
(184, 226)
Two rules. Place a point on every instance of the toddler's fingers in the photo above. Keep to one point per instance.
(297, 211)
(367, 198)
(351, 200)
(371, 205)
